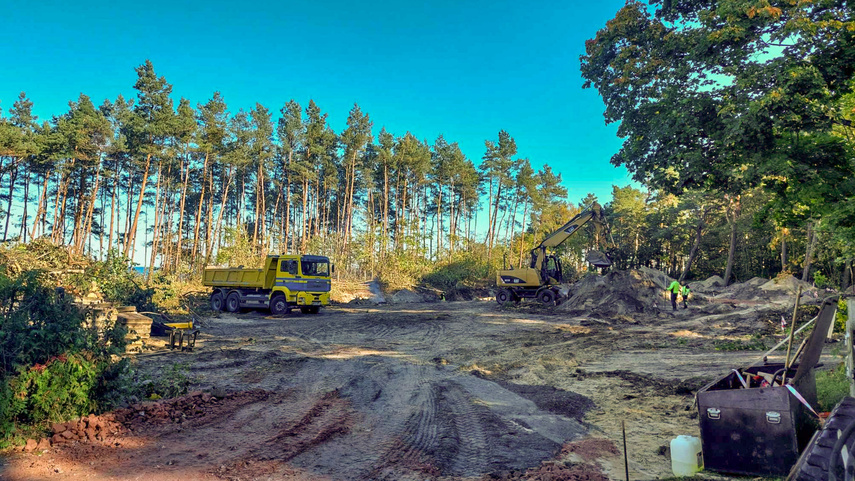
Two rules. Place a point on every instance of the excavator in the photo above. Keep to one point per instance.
(541, 279)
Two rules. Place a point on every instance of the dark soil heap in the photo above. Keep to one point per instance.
(618, 293)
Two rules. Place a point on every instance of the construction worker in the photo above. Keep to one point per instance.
(685, 293)
(674, 289)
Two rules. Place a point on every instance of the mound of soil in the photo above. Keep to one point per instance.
(618, 293)
(780, 290)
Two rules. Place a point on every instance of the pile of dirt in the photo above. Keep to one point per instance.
(712, 284)
(108, 428)
(618, 293)
(577, 461)
(418, 294)
(781, 290)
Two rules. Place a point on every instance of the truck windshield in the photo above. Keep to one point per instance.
(316, 268)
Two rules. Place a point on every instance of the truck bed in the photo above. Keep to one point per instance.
(235, 277)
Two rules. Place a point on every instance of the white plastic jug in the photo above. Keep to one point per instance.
(686, 456)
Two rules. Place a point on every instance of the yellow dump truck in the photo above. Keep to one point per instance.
(284, 283)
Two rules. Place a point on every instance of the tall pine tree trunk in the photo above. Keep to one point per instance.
(732, 213)
(91, 210)
(12, 179)
(156, 226)
(219, 216)
(198, 222)
(23, 234)
(694, 251)
(42, 207)
(129, 247)
(811, 246)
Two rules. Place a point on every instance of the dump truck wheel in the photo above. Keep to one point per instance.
(278, 305)
(503, 296)
(824, 449)
(233, 302)
(314, 309)
(547, 297)
(217, 301)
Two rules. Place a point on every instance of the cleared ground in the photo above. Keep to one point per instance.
(446, 390)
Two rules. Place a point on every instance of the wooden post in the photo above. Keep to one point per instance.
(792, 332)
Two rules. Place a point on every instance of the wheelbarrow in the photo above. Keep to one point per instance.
(182, 335)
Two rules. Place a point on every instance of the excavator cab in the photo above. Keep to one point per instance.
(551, 271)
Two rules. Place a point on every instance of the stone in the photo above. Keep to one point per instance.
(58, 428)
(30, 446)
(67, 434)
(44, 445)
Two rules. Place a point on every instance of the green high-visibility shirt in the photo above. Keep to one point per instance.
(674, 287)
(685, 291)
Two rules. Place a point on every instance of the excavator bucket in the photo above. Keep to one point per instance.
(598, 258)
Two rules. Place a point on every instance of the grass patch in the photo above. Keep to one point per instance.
(735, 345)
(831, 387)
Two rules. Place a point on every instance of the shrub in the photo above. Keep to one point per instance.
(459, 272)
(841, 315)
(831, 387)
(37, 324)
(59, 390)
(52, 367)
(165, 383)
(118, 282)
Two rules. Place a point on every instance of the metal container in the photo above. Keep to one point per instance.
(762, 430)
(758, 431)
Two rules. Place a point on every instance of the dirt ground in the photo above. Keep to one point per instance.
(466, 390)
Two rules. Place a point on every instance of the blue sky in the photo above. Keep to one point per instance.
(462, 69)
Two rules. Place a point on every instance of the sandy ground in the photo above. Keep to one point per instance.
(442, 391)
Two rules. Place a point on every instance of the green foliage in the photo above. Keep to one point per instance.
(831, 387)
(819, 280)
(841, 315)
(118, 282)
(165, 383)
(37, 324)
(237, 249)
(53, 366)
(401, 270)
(466, 270)
(753, 344)
(59, 390)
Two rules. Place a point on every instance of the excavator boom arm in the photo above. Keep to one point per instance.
(567, 230)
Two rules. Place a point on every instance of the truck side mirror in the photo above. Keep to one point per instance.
(332, 269)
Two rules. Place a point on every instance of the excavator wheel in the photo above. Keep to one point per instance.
(503, 296)
(547, 297)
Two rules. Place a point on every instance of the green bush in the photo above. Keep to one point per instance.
(450, 275)
(831, 387)
(37, 324)
(819, 280)
(165, 383)
(118, 282)
(58, 390)
(841, 316)
(52, 367)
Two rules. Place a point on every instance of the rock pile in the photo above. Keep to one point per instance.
(107, 429)
(93, 429)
